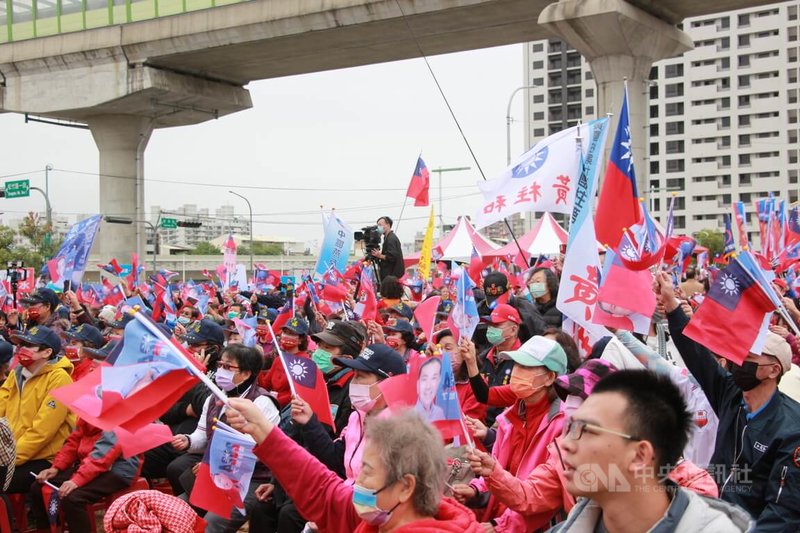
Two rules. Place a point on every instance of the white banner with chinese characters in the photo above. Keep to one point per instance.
(577, 291)
(542, 179)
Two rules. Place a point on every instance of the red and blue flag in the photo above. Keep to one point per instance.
(420, 184)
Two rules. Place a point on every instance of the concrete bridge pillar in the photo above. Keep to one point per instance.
(121, 140)
(620, 42)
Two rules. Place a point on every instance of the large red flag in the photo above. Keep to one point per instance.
(420, 184)
(618, 206)
(309, 384)
(729, 320)
(425, 313)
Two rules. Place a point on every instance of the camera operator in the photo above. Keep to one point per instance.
(390, 258)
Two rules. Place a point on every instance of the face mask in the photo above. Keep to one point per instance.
(365, 502)
(571, 405)
(495, 335)
(745, 376)
(26, 356)
(261, 330)
(233, 314)
(224, 379)
(184, 320)
(380, 230)
(73, 353)
(289, 344)
(393, 342)
(359, 398)
(537, 289)
(524, 389)
(323, 360)
(34, 314)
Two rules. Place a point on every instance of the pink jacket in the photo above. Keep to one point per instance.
(536, 454)
(321, 496)
(353, 436)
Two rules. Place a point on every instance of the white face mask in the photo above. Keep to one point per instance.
(360, 399)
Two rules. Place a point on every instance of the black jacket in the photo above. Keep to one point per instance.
(550, 313)
(766, 448)
(393, 264)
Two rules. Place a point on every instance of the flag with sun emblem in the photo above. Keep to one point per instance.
(545, 177)
(625, 299)
(309, 384)
(53, 502)
(618, 204)
(730, 320)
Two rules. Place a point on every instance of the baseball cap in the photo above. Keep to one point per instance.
(298, 325)
(504, 313)
(107, 313)
(777, 347)
(42, 296)
(377, 359)
(401, 325)
(86, 333)
(205, 330)
(102, 352)
(120, 320)
(494, 284)
(403, 310)
(539, 351)
(339, 333)
(582, 381)
(39, 336)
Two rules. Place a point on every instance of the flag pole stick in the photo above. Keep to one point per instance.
(283, 360)
(397, 226)
(137, 314)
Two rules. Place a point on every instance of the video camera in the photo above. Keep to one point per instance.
(371, 239)
(15, 272)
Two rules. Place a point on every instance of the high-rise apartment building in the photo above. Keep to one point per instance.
(222, 222)
(723, 118)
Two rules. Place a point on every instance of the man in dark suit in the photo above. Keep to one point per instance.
(390, 257)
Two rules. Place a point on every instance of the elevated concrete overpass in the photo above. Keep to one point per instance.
(127, 67)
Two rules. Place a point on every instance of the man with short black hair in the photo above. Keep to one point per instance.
(618, 448)
(390, 257)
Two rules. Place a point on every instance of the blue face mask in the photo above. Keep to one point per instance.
(184, 320)
(380, 230)
(365, 502)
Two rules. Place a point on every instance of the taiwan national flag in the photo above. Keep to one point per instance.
(618, 204)
(730, 321)
(309, 384)
(420, 184)
(53, 502)
(224, 475)
(625, 299)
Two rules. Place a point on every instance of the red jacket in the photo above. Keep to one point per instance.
(322, 497)
(95, 451)
(275, 380)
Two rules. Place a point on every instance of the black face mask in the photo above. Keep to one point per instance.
(744, 376)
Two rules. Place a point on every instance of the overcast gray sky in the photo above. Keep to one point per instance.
(359, 128)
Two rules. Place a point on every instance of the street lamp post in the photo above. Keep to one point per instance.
(49, 214)
(126, 220)
(439, 171)
(251, 226)
(509, 120)
(47, 211)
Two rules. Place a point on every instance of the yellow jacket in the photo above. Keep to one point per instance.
(40, 423)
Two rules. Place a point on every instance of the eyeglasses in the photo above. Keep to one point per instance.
(227, 366)
(575, 429)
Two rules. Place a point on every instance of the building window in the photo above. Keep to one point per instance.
(590, 110)
(724, 103)
(538, 132)
(744, 20)
(792, 33)
(673, 89)
(675, 165)
(724, 63)
(590, 92)
(673, 71)
(724, 123)
(674, 147)
(679, 222)
(725, 161)
(653, 130)
(744, 120)
(744, 140)
(744, 100)
(538, 98)
(744, 160)
(675, 128)
(724, 23)
(653, 73)
(675, 108)
(744, 81)
(744, 60)
(538, 82)
(538, 47)
(744, 40)
(654, 167)
(539, 115)
(744, 179)
(538, 65)
(589, 75)
(654, 148)
(653, 91)
(653, 111)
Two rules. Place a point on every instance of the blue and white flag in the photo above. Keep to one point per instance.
(336, 246)
(465, 311)
(70, 261)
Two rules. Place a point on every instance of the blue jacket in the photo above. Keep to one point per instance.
(764, 446)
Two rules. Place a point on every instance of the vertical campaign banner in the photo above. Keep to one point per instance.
(70, 261)
(336, 246)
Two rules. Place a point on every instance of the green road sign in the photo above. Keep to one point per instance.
(18, 188)
(169, 223)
